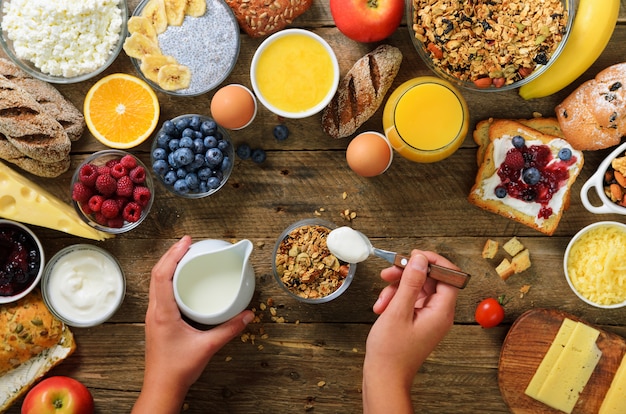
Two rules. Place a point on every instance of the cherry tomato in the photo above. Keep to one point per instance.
(489, 312)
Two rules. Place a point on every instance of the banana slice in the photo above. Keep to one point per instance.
(195, 8)
(141, 24)
(138, 45)
(175, 11)
(152, 64)
(173, 77)
(154, 11)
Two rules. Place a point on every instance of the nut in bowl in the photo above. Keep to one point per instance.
(610, 184)
(304, 266)
(112, 191)
(41, 37)
(192, 156)
(463, 44)
(594, 264)
(21, 261)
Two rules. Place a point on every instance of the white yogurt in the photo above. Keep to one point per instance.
(84, 285)
(348, 245)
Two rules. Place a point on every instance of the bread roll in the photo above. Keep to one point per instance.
(260, 18)
(361, 91)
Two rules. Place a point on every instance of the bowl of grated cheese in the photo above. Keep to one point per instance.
(64, 41)
(594, 265)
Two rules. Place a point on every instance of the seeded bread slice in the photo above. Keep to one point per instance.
(506, 130)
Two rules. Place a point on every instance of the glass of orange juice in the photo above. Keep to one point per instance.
(426, 119)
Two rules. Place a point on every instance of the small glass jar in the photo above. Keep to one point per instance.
(426, 119)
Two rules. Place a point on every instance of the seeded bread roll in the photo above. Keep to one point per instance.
(361, 91)
(53, 102)
(528, 212)
(260, 18)
(593, 116)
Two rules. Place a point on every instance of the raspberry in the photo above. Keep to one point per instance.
(514, 159)
(81, 193)
(88, 174)
(118, 171)
(110, 163)
(142, 195)
(109, 209)
(95, 203)
(86, 208)
(125, 186)
(138, 175)
(129, 162)
(132, 212)
(106, 185)
(116, 222)
(104, 170)
(100, 219)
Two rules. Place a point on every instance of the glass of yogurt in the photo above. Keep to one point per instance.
(83, 285)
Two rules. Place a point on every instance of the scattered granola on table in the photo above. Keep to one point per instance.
(489, 42)
(306, 266)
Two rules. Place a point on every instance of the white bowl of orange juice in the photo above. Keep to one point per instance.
(294, 73)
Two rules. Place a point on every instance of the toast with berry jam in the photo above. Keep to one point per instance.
(526, 175)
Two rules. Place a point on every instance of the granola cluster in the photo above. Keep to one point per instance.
(306, 266)
(489, 42)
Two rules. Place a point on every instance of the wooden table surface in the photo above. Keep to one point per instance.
(312, 362)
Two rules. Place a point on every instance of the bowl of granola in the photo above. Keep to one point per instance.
(304, 266)
(492, 46)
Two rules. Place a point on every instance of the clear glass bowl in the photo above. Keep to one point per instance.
(436, 68)
(28, 67)
(167, 171)
(293, 291)
(101, 158)
(208, 45)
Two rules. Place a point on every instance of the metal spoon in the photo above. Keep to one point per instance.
(443, 274)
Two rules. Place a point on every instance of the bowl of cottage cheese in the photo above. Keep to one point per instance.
(63, 41)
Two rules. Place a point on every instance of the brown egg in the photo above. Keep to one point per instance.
(369, 154)
(233, 106)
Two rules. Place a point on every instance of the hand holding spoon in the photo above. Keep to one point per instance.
(352, 246)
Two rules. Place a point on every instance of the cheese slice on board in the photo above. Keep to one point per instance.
(615, 400)
(24, 201)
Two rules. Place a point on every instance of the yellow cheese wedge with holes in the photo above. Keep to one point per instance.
(24, 201)
(615, 400)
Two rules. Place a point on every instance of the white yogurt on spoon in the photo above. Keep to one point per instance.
(348, 245)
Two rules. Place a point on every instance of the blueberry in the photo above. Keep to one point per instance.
(159, 154)
(244, 151)
(170, 178)
(182, 123)
(195, 122)
(198, 162)
(213, 182)
(173, 144)
(198, 146)
(204, 173)
(223, 145)
(500, 192)
(185, 142)
(180, 186)
(184, 156)
(203, 187)
(214, 157)
(281, 132)
(187, 133)
(258, 155)
(198, 134)
(181, 172)
(208, 127)
(518, 141)
(210, 141)
(192, 181)
(160, 167)
(531, 176)
(163, 140)
(169, 127)
(565, 154)
(226, 163)
(172, 161)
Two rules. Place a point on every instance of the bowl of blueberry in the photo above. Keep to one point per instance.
(21, 261)
(192, 156)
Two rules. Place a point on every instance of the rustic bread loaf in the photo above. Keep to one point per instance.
(593, 116)
(42, 169)
(361, 91)
(531, 204)
(260, 18)
(53, 102)
(28, 127)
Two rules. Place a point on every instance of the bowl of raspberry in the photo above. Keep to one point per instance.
(192, 156)
(112, 191)
(21, 261)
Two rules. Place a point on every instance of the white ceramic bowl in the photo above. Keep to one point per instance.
(598, 183)
(275, 45)
(592, 254)
(12, 232)
(29, 67)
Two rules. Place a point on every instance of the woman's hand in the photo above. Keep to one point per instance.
(415, 314)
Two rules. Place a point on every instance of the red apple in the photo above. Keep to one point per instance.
(367, 20)
(58, 395)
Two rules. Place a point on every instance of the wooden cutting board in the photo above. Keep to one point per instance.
(526, 344)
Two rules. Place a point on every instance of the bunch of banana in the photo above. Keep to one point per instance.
(591, 30)
(143, 42)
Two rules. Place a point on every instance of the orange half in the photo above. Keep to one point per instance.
(121, 111)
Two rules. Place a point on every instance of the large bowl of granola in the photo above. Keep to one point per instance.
(489, 46)
(304, 266)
